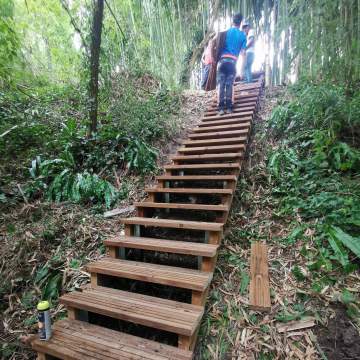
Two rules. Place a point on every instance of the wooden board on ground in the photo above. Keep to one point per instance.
(259, 278)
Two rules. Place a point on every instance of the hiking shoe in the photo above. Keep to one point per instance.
(221, 112)
(229, 111)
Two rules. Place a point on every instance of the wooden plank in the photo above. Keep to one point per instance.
(244, 125)
(240, 108)
(176, 224)
(205, 157)
(197, 177)
(234, 165)
(202, 207)
(219, 134)
(153, 273)
(163, 245)
(215, 142)
(189, 191)
(78, 340)
(237, 115)
(224, 122)
(259, 281)
(163, 314)
(212, 149)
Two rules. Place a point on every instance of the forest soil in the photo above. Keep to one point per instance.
(339, 339)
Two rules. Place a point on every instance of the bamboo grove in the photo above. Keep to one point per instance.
(317, 38)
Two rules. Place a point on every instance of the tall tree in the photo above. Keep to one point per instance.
(98, 15)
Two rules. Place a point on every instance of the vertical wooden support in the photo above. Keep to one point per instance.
(184, 342)
(208, 263)
(41, 356)
(71, 313)
(129, 231)
(94, 279)
(199, 297)
(112, 251)
(215, 237)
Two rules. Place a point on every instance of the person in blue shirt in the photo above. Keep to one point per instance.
(235, 42)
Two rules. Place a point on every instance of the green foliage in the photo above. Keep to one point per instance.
(314, 173)
(61, 181)
(9, 41)
(140, 157)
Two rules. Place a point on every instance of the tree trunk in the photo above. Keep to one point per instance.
(94, 63)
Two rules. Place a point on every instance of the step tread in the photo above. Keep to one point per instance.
(197, 177)
(221, 121)
(160, 205)
(188, 190)
(153, 273)
(211, 149)
(217, 134)
(222, 127)
(237, 109)
(237, 115)
(213, 142)
(163, 314)
(223, 156)
(233, 165)
(178, 224)
(79, 340)
(171, 246)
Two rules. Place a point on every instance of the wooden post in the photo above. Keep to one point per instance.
(215, 237)
(208, 263)
(72, 313)
(184, 342)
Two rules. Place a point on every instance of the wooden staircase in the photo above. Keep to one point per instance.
(155, 278)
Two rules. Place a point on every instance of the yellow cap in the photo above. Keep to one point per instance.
(43, 305)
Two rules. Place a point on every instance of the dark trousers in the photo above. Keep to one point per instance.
(205, 75)
(226, 73)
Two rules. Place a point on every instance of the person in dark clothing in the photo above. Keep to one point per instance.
(235, 43)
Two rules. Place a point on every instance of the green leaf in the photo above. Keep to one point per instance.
(352, 243)
(347, 297)
(244, 282)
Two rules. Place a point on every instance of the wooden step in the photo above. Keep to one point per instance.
(239, 109)
(243, 114)
(219, 134)
(212, 149)
(234, 165)
(207, 157)
(162, 245)
(215, 142)
(225, 122)
(78, 340)
(153, 273)
(220, 127)
(176, 224)
(167, 315)
(159, 205)
(197, 177)
(189, 191)
(238, 102)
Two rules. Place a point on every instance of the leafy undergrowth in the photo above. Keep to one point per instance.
(300, 193)
(47, 152)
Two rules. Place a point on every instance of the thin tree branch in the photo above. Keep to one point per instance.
(117, 22)
(73, 22)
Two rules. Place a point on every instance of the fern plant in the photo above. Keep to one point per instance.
(60, 181)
